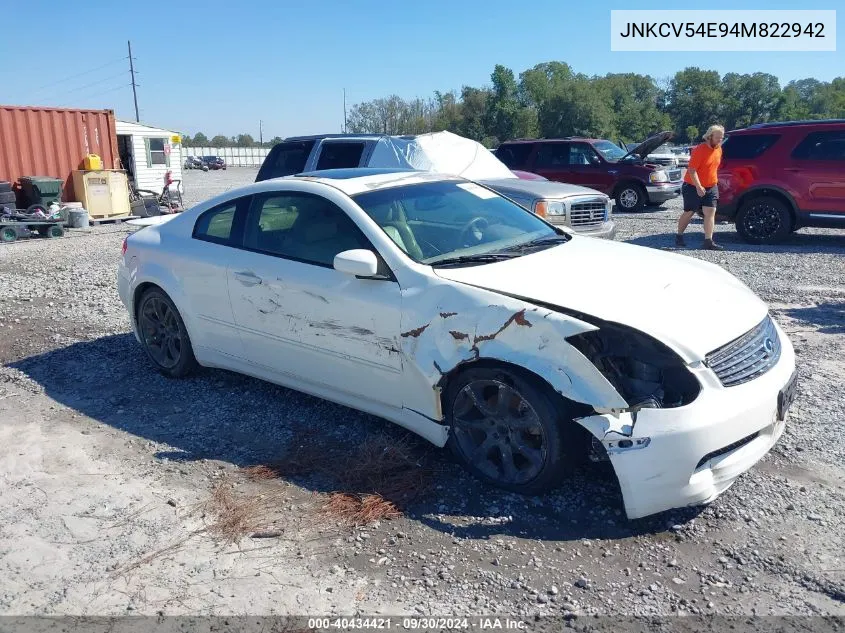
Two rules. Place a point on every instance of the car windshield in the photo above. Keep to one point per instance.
(664, 149)
(609, 151)
(454, 222)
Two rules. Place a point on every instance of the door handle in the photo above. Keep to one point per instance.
(248, 278)
(792, 169)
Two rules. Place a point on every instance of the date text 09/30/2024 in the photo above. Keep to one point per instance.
(421, 623)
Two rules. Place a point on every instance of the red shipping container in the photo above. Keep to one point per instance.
(53, 142)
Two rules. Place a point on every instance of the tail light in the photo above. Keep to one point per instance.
(123, 248)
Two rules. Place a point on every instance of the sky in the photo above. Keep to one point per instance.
(220, 67)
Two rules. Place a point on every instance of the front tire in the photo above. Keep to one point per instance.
(506, 431)
(630, 198)
(164, 336)
(763, 220)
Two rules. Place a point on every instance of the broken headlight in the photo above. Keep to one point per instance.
(643, 370)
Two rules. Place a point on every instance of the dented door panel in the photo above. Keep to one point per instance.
(319, 325)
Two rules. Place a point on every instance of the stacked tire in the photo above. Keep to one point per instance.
(7, 196)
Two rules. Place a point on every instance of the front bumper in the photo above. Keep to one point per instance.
(605, 230)
(664, 192)
(689, 455)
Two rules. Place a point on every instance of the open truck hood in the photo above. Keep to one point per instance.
(690, 305)
(649, 145)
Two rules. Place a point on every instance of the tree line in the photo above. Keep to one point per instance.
(239, 140)
(550, 100)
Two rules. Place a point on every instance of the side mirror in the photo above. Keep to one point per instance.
(358, 262)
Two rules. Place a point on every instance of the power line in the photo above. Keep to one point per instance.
(86, 72)
(95, 83)
(97, 94)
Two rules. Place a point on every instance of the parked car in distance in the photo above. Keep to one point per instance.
(598, 164)
(437, 304)
(776, 178)
(584, 210)
(194, 162)
(663, 155)
(214, 162)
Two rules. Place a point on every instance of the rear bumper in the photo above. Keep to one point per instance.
(662, 193)
(689, 455)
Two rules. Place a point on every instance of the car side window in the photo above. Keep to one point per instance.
(552, 155)
(822, 146)
(300, 226)
(514, 156)
(582, 154)
(218, 225)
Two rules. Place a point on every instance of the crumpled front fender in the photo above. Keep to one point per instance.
(451, 327)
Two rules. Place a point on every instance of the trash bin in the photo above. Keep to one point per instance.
(41, 190)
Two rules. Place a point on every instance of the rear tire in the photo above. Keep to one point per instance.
(164, 336)
(763, 220)
(55, 230)
(630, 198)
(506, 431)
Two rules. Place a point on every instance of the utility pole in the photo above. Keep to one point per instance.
(260, 132)
(344, 110)
(134, 92)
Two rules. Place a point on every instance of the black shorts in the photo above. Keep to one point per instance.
(692, 201)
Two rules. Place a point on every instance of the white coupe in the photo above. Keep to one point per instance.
(436, 303)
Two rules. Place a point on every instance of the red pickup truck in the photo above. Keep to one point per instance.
(627, 177)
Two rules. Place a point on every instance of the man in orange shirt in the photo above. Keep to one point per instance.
(700, 190)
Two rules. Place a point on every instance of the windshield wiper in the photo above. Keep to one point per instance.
(549, 240)
(479, 258)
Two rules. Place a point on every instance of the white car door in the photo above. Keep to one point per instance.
(301, 318)
(202, 269)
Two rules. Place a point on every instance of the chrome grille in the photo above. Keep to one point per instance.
(587, 212)
(674, 174)
(751, 355)
(666, 162)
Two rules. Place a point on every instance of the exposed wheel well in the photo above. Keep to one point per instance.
(139, 292)
(575, 409)
(627, 183)
(773, 193)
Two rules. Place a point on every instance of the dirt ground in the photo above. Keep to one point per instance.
(122, 492)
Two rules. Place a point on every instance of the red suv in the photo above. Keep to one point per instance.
(778, 177)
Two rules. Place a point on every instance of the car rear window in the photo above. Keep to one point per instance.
(340, 155)
(285, 159)
(822, 146)
(744, 146)
(514, 156)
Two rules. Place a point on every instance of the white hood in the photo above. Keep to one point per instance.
(692, 306)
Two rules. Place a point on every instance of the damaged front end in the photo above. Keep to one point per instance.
(645, 372)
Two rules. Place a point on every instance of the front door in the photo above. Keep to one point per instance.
(587, 169)
(817, 169)
(301, 318)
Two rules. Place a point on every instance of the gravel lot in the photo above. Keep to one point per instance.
(107, 468)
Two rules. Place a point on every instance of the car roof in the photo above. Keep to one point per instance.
(562, 139)
(786, 124)
(357, 180)
(319, 137)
